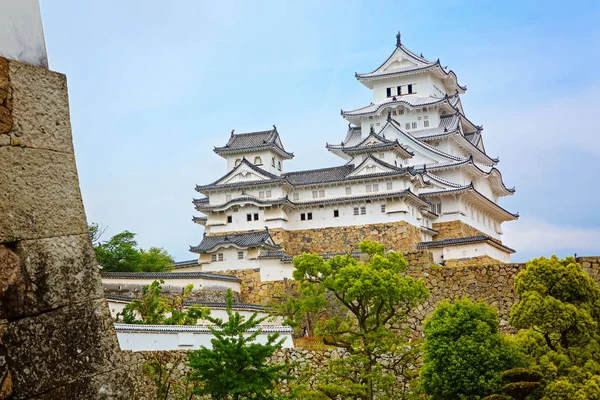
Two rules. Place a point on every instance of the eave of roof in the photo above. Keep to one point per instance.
(238, 240)
(401, 101)
(199, 329)
(464, 241)
(168, 275)
(253, 141)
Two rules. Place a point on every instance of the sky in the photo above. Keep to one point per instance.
(155, 85)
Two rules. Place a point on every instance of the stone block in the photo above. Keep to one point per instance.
(39, 195)
(112, 385)
(60, 270)
(59, 347)
(40, 108)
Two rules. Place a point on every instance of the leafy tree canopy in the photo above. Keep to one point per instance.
(376, 298)
(121, 253)
(464, 353)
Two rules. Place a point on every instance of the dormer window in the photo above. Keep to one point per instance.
(257, 161)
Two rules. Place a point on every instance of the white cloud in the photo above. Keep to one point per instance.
(534, 237)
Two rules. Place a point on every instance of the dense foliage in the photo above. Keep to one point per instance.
(559, 314)
(157, 308)
(464, 353)
(375, 298)
(236, 367)
(121, 253)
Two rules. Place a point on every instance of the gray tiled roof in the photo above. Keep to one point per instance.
(252, 141)
(461, 241)
(194, 328)
(408, 100)
(243, 240)
(239, 306)
(319, 175)
(169, 275)
(272, 179)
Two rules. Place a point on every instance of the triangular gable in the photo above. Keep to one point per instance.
(424, 153)
(400, 58)
(371, 165)
(245, 172)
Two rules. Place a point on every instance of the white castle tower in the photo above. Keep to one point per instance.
(416, 176)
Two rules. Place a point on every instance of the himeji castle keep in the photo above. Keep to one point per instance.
(414, 174)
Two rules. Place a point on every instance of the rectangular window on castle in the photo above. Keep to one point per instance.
(399, 88)
(229, 219)
(376, 187)
(412, 89)
(248, 217)
(272, 161)
(407, 126)
(220, 256)
(240, 255)
(315, 194)
(213, 257)
(349, 190)
(336, 213)
(414, 125)
(309, 215)
(322, 193)
(388, 91)
(279, 165)
(426, 124)
(268, 194)
(389, 186)
(363, 210)
(383, 208)
(401, 112)
(355, 210)
(368, 188)
(302, 217)
(256, 216)
(261, 194)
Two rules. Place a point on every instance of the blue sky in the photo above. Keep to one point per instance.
(154, 85)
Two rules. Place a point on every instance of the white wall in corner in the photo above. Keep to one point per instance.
(21, 32)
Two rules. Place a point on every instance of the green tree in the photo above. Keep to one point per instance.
(121, 253)
(376, 299)
(157, 308)
(558, 314)
(237, 367)
(464, 354)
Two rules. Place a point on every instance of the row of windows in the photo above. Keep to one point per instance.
(361, 210)
(219, 256)
(258, 161)
(401, 90)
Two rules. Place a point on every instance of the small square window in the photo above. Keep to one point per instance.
(355, 210)
(368, 188)
(240, 255)
(389, 186)
(388, 91)
(220, 256)
(256, 216)
(376, 187)
(336, 213)
(407, 125)
(363, 210)
(309, 215)
(213, 257)
(349, 190)
(229, 219)
(315, 194)
(383, 208)
(302, 217)
(322, 193)
(268, 194)
(248, 217)
(414, 125)
(261, 194)
(426, 124)
(401, 112)
(296, 196)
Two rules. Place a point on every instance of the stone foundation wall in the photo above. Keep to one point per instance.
(454, 229)
(471, 261)
(57, 339)
(398, 236)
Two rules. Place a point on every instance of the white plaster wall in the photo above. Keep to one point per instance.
(230, 260)
(154, 341)
(275, 270)
(21, 32)
(468, 251)
(423, 86)
(199, 283)
(265, 155)
(118, 306)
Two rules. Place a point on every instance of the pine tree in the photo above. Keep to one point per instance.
(237, 367)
